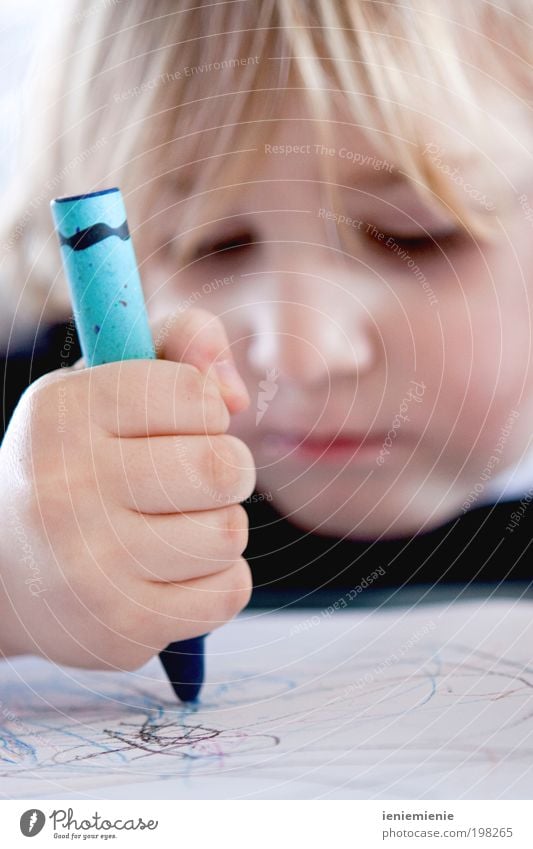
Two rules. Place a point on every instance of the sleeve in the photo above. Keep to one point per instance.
(26, 359)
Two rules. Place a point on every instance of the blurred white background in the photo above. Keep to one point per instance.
(20, 24)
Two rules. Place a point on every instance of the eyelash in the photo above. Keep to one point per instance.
(419, 244)
(222, 247)
(225, 248)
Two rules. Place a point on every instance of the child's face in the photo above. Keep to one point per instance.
(410, 355)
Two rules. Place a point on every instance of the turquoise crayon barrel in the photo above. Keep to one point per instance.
(101, 267)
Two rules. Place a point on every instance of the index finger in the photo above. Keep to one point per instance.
(198, 337)
(139, 398)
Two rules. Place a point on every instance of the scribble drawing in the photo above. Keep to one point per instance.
(449, 714)
(171, 739)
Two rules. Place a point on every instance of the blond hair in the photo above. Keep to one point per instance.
(173, 93)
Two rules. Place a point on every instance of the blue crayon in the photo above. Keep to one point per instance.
(112, 324)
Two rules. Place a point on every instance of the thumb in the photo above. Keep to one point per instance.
(198, 337)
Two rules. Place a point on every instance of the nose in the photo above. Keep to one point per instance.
(312, 332)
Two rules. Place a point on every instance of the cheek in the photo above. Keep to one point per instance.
(480, 356)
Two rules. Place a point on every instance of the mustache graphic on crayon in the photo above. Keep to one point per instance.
(83, 239)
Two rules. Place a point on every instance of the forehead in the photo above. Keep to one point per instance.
(292, 145)
(288, 141)
(299, 147)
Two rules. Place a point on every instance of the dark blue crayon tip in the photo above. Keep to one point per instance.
(183, 663)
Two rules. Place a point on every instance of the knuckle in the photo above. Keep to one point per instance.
(223, 464)
(234, 527)
(192, 382)
(215, 413)
(244, 465)
(201, 389)
(237, 589)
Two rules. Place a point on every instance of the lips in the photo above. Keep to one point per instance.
(324, 447)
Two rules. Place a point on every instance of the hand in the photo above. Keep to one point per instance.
(122, 530)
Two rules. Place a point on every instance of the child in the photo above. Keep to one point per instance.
(336, 198)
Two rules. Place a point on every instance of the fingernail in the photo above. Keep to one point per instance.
(229, 377)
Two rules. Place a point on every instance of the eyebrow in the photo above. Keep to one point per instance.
(370, 179)
(184, 185)
(184, 181)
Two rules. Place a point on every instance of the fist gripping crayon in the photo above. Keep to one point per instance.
(112, 324)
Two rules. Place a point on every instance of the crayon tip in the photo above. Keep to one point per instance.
(186, 692)
(184, 665)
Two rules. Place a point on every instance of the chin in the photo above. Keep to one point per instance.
(364, 518)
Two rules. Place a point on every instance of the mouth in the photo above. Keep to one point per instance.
(334, 447)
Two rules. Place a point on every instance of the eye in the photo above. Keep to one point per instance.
(227, 246)
(419, 243)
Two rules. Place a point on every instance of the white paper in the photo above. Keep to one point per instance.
(433, 702)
